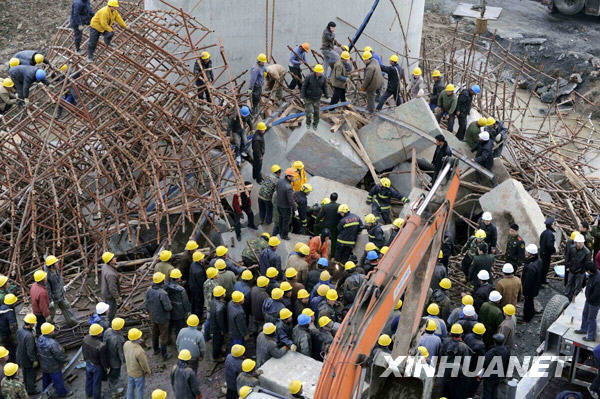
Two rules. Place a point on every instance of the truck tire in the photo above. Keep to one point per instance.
(569, 7)
(552, 311)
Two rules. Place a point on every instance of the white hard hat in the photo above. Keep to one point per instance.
(508, 268)
(483, 275)
(485, 136)
(469, 310)
(579, 238)
(487, 216)
(102, 307)
(532, 249)
(495, 296)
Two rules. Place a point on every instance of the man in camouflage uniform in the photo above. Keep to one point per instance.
(515, 247)
(5, 287)
(265, 195)
(470, 251)
(12, 388)
(584, 229)
(254, 248)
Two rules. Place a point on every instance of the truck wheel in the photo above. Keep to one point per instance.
(552, 311)
(569, 7)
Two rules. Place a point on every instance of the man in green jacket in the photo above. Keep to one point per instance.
(472, 134)
(446, 109)
(373, 79)
(339, 77)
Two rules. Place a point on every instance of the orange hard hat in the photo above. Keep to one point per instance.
(291, 172)
(306, 46)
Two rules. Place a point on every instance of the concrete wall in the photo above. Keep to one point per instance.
(241, 26)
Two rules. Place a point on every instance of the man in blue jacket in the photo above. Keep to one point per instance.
(81, 14)
(297, 56)
(23, 77)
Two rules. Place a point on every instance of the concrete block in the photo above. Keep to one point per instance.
(388, 144)
(500, 171)
(277, 373)
(326, 154)
(363, 239)
(541, 195)
(400, 177)
(413, 196)
(354, 197)
(275, 143)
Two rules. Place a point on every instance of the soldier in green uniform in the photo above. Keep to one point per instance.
(584, 229)
(515, 247)
(12, 388)
(254, 248)
(5, 287)
(470, 251)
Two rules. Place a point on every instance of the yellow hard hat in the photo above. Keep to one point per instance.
(184, 355)
(191, 245)
(367, 55)
(325, 276)
(295, 386)
(218, 291)
(480, 234)
(349, 265)
(285, 313)
(441, 254)
(385, 182)
(30, 318)
(221, 250)
(285, 286)
(269, 328)
(262, 281)
(238, 350)
(193, 320)
(370, 247)
(4, 279)
(343, 208)
(297, 246)
(302, 294)
(509, 309)
(211, 272)
(436, 74)
(158, 277)
(47, 328)
(10, 369)
(50, 260)
(220, 264)
(384, 249)
(197, 256)
(417, 71)
(8, 82)
(262, 57)
(134, 334)
(345, 55)
(159, 394)
(479, 329)
(13, 62)
(319, 68)
(244, 391)
(574, 234)
(10, 299)
(482, 121)
(205, 55)
(433, 309)
(96, 329)
(38, 276)
(117, 323)
(113, 3)
(3, 352)
(367, 48)
(467, 300)
(431, 325)
(248, 365)
(175, 273)
(38, 58)
(237, 296)
(423, 351)
(308, 312)
(325, 201)
(275, 168)
(247, 275)
(450, 87)
(290, 272)
(370, 218)
(265, 234)
(456, 329)
(445, 283)
(398, 304)
(276, 293)
(261, 126)
(272, 272)
(298, 165)
(306, 188)
(322, 289)
(107, 257)
(165, 255)
(394, 58)
(384, 340)
(274, 241)
(332, 295)
(63, 68)
(345, 48)
(491, 121)
(323, 321)
(398, 222)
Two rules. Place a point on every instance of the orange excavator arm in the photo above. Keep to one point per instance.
(408, 264)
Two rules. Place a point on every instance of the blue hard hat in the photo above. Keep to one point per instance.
(372, 255)
(245, 111)
(40, 75)
(323, 262)
(304, 319)
(476, 89)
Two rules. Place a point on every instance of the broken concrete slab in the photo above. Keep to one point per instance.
(401, 177)
(414, 195)
(275, 144)
(509, 202)
(354, 197)
(500, 172)
(326, 154)
(277, 373)
(388, 144)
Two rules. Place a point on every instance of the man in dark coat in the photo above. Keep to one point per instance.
(81, 15)
(455, 349)
(110, 287)
(114, 340)
(258, 151)
(313, 88)
(236, 318)
(579, 255)
(27, 357)
(286, 206)
(493, 380)
(218, 322)
(183, 378)
(23, 77)
(196, 282)
(547, 249)
(463, 108)
(394, 73)
(484, 153)
(491, 232)
(329, 218)
(158, 305)
(180, 303)
(515, 247)
(233, 367)
(442, 150)
(95, 354)
(52, 359)
(592, 304)
(530, 278)
(206, 66)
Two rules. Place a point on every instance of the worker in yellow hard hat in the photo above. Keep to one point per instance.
(95, 356)
(395, 75)
(257, 80)
(297, 58)
(217, 322)
(286, 206)
(339, 78)
(191, 339)
(137, 376)
(297, 183)
(183, 378)
(8, 95)
(380, 196)
(275, 79)
(269, 257)
(300, 221)
(164, 266)
(110, 286)
(221, 253)
(498, 133)
(265, 195)
(204, 73)
(26, 339)
(30, 57)
(56, 291)
(313, 88)
(101, 24)
(258, 151)
(437, 89)
(374, 230)
(297, 266)
(473, 130)
(197, 277)
(373, 79)
(159, 306)
(474, 245)
(416, 84)
(446, 107)
(180, 303)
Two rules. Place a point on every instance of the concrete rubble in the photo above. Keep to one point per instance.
(277, 373)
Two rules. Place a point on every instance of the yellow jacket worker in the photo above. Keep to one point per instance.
(101, 24)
